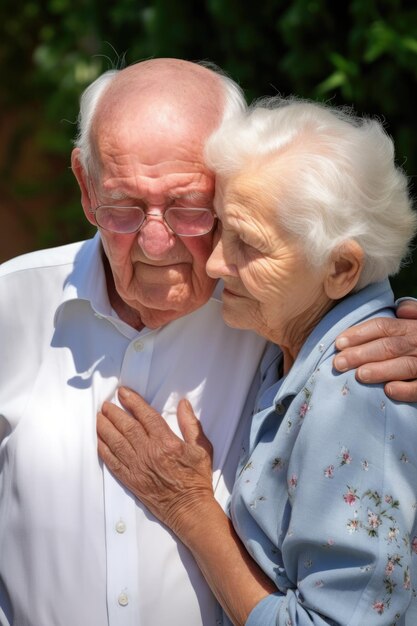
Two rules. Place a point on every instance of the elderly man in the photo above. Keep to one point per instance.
(133, 306)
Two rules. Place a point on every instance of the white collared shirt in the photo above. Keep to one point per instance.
(76, 549)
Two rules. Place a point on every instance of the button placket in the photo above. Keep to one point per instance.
(138, 345)
(120, 527)
(123, 599)
(279, 408)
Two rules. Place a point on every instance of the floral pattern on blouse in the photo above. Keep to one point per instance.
(326, 499)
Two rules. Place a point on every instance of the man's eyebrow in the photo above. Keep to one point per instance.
(115, 194)
(198, 198)
(192, 195)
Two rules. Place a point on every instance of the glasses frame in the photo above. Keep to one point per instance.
(146, 215)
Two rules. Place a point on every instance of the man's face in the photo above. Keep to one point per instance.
(157, 274)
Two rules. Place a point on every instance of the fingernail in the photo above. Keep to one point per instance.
(124, 392)
(342, 343)
(364, 374)
(340, 363)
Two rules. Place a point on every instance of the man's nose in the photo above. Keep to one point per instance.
(217, 266)
(156, 238)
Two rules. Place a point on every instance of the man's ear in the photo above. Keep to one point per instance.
(82, 179)
(344, 269)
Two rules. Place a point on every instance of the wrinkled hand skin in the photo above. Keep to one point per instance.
(170, 476)
(385, 351)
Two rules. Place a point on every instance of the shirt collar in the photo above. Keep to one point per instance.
(87, 280)
(320, 344)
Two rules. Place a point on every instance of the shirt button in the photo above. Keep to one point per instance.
(280, 408)
(120, 526)
(123, 600)
(138, 345)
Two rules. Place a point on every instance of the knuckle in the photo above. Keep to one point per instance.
(172, 447)
(395, 346)
(118, 447)
(383, 325)
(410, 364)
(412, 338)
(391, 327)
(130, 430)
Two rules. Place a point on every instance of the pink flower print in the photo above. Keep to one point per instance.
(389, 568)
(379, 607)
(345, 390)
(303, 409)
(365, 465)
(414, 545)
(374, 521)
(345, 456)
(352, 526)
(329, 471)
(407, 579)
(330, 542)
(319, 584)
(292, 483)
(392, 533)
(350, 496)
(388, 499)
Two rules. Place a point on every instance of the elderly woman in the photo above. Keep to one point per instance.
(314, 218)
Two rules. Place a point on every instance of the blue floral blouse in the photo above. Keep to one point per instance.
(326, 495)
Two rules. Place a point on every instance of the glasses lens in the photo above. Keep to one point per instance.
(120, 219)
(189, 222)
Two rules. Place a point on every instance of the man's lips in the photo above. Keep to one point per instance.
(160, 264)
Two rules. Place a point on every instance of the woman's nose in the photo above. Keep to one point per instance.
(217, 265)
(156, 238)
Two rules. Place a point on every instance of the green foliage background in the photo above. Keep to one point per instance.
(361, 53)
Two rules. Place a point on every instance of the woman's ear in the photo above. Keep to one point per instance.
(82, 179)
(344, 269)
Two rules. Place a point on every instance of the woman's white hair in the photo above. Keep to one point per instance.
(234, 104)
(330, 176)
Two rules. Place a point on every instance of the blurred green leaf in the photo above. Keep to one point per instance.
(357, 53)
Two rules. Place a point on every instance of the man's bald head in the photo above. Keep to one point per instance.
(189, 93)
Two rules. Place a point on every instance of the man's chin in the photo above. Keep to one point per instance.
(155, 318)
(157, 311)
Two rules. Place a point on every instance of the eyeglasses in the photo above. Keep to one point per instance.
(184, 222)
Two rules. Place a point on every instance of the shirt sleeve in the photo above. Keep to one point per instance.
(352, 483)
(265, 611)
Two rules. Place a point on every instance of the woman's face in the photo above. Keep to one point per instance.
(269, 286)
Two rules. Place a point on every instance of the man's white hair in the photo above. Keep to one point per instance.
(330, 177)
(234, 104)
